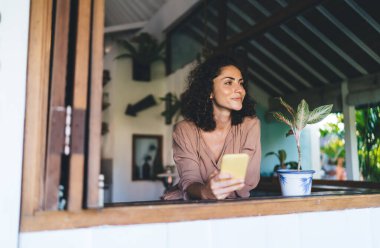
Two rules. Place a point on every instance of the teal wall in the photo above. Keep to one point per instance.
(184, 50)
(273, 139)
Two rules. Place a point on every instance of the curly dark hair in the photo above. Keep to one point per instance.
(196, 104)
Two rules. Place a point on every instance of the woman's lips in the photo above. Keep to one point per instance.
(236, 99)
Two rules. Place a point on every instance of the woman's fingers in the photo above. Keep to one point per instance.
(213, 174)
(225, 191)
(220, 195)
(222, 184)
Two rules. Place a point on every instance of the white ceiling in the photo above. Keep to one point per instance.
(122, 12)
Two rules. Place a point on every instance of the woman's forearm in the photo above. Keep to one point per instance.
(198, 191)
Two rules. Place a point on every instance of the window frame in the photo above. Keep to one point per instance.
(34, 218)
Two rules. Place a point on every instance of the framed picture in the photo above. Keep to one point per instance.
(146, 157)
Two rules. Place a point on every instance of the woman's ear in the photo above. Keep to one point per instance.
(211, 96)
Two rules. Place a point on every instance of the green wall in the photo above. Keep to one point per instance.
(273, 139)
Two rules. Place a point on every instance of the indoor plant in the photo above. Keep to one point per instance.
(281, 155)
(298, 182)
(146, 51)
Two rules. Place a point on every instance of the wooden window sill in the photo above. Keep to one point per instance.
(194, 210)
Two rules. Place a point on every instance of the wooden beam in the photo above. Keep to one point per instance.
(76, 178)
(363, 90)
(36, 105)
(222, 22)
(367, 82)
(56, 125)
(274, 20)
(262, 85)
(363, 97)
(124, 27)
(168, 54)
(96, 104)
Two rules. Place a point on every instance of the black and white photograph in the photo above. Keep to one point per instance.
(146, 157)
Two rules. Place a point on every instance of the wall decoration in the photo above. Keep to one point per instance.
(146, 157)
(172, 107)
(106, 77)
(105, 128)
(146, 102)
(105, 101)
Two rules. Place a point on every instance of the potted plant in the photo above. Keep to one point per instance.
(146, 51)
(281, 156)
(298, 182)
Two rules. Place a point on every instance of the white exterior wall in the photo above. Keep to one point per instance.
(349, 228)
(13, 57)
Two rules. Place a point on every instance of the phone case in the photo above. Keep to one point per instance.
(235, 164)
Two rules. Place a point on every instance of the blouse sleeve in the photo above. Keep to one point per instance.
(252, 146)
(185, 156)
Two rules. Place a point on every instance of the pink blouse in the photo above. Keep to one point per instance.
(195, 161)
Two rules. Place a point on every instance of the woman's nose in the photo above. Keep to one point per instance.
(239, 88)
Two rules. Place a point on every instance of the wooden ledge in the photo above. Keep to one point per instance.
(184, 211)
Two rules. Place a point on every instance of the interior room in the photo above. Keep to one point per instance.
(310, 56)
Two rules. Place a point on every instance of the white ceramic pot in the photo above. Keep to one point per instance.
(294, 182)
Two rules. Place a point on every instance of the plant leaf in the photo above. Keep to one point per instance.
(302, 114)
(287, 106)
(292, 164)
(124, 55)
(279, 116)
(129, 47)
(319, 114)
(270, 153)
(282, 156)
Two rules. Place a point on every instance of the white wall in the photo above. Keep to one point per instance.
(117, 144)
(13, 53)
(348, 228)
(123, 90)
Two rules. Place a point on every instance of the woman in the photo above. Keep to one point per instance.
(219, 119)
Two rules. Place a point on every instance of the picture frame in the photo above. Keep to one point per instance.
(146, 157)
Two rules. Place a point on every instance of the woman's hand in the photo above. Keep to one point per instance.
(220, 185)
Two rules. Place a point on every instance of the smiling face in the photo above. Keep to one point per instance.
(228, 92)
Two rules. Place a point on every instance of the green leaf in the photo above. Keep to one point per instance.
(143, 48)
(282, 155)
(279, 116)
(287, 106)
(125, 55)
(129, 47)
(319, 114)
(292, 164)
(302, 115)
(270, 153)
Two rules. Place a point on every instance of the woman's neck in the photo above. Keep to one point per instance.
(222, 119)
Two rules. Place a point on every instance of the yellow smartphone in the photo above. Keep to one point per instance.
(235, 164)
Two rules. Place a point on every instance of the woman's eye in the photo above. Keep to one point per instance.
(228, 82)
(241, 82)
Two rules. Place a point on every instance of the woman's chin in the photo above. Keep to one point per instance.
(237, 108)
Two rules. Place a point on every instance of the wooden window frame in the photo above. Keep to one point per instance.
(34, 218)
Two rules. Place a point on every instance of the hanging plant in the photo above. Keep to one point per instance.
(144, 50)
